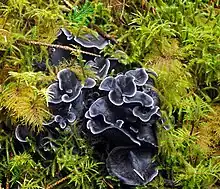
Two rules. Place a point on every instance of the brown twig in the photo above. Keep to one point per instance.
(108, 184)
(59, 47)
(192, 128)
(7, 183)
(57, 183)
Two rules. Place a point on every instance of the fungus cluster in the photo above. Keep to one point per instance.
(126, 115)
(123, 108)
(88, 43)
(65, 97)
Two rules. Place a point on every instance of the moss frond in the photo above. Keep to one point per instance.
(25, 104)
(37, 79)
(22, 167)
(174, 82)
(209, 132)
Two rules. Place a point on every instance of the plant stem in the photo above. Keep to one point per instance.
(59, 46)
(7, 183)
(58, 182)
(192, 128)
(68, 4)
(108, 184)
(81, 65)
(123, 9)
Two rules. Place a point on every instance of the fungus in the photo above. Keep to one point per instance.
(100, 66)
(69, 83)
(154, 95)
(133, 166)
(21, 133)
(103, 116)
(102, 107)
(64, 37)
(146, 134)
(118, 87)
(54, 93)
(127, 103)
(89, 83)
(145, 113)
(98, 125)
(67, 88)
(67, 80)
(65, 98)
(140, 97)
(58, 55)
(127, 85)
(67, 33)
(64, 116)
(124, 110)
(89, 41)
(78, 105)
(90, 98)
(140, 76)
(108, 84)
(46, 139)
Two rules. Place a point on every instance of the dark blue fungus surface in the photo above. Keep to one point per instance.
(92, 44)
(69, 83)
(88, 43)
(140, 97)
(89, 83)
(126, 116)
(140, 76)
(144, 113)
(119, 87)
(115, 133)
(65, 117)
(67, 88)
(132, 165)
(65, 98)
(103, 116)
(92, 47)
(123, 109)
(57, 55)
(100, 66)
(146, 133)
(44, 140)
(22, 133)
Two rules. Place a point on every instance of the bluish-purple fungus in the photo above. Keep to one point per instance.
(133, 166)
(90, 41)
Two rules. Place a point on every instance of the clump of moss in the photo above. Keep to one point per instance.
(209, 132)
